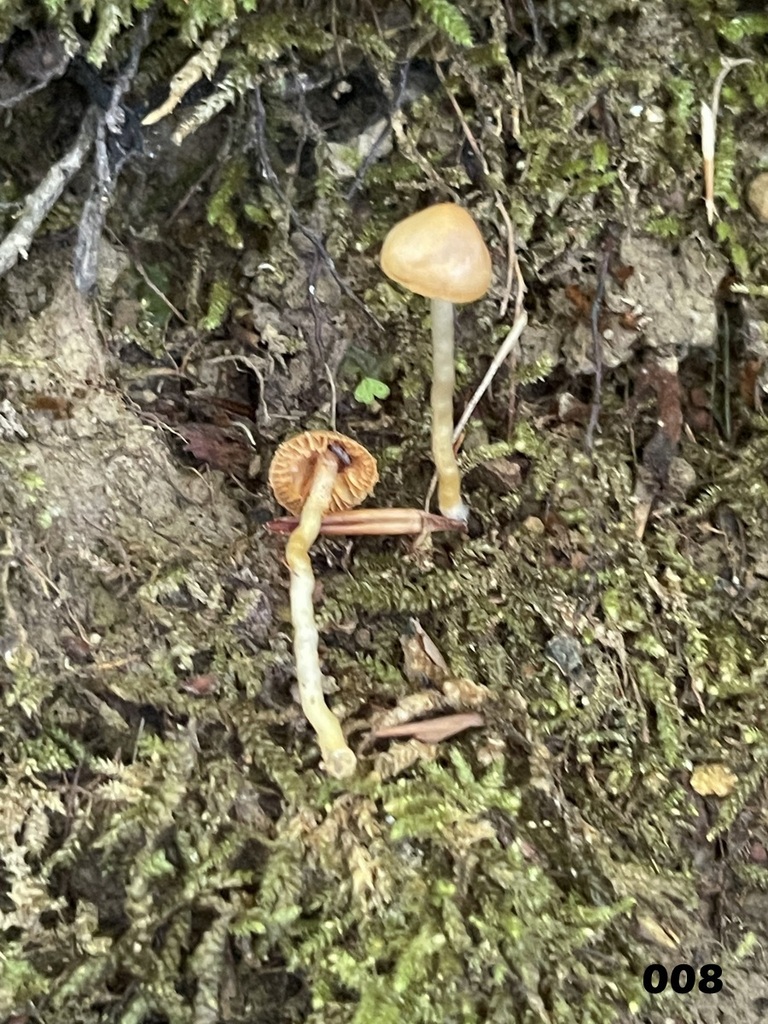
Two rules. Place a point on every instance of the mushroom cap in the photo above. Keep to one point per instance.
(293, 465)
(439, 253)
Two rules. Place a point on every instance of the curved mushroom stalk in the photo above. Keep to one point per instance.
(311, 474)
(339, 760)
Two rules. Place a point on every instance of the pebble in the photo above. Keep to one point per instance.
(757, 197)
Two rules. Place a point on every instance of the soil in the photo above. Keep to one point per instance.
(171, 848)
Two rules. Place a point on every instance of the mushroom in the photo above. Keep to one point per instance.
(311, 474)
(439, 253)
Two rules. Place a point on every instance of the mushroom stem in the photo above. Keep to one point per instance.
(339, 760)
(443, 380)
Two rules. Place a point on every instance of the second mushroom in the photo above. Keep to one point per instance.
(313, 473)
(439, 253)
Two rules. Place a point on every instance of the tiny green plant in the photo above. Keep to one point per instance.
(370, 390)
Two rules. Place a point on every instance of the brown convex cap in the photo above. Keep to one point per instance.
(439, 253)
(293, 465)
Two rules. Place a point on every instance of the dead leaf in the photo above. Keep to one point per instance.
(622, 273)
(412, 705)
(201, 686)
(571, 410)
(500, 476)
(463, 692)
(652, 930)
(423, 660)
(749, 385)
(433, 730)
(60, 406)
(580, 299)
(430, 646)
(402, 756)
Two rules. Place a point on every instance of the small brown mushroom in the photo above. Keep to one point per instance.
(439, 253)
(311, 474)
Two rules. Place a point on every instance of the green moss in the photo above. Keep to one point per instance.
(168, 855)
(219, 301)
(229, 188)
(449, 19)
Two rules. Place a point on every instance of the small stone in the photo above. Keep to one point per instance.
(567, 653)
(757, 853)
(757, 197)
(534, 525)
(681, 478)
(499, 475)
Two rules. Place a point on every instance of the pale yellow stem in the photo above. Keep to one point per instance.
(339, 760)
(443, 380)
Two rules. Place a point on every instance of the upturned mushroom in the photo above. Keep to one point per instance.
(313, 473)
(439, 253)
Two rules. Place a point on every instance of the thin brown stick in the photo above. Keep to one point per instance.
(597, 348)
(709, 133)
(511, 255)
(373, 522)
(507, 346)
(153, 287)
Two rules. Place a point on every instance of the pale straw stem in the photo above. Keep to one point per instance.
(443, 381)
(338, 758)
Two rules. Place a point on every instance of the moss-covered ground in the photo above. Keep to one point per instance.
(170, 850)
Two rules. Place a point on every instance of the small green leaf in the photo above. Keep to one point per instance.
(369, 389)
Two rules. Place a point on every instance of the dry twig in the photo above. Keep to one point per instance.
(513, 269)
(709, 133)
(597, 346)
(39, 203)
(109, 160)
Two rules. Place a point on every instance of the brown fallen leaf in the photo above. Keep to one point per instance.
(500, 476)
(201, 686)
(430, 647)
(660, 451)
(433, 730)
(421, 656)
(656, 932)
